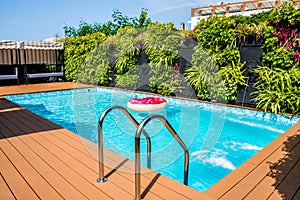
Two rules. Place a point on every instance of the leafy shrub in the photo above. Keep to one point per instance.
(95, 69)
(278, 83)
(216, 68)
(215, 33)
(232, 78)
(279, 58)
(126, 66)
(288, 13)
(262, 17)
(227, 57)
(241, 19)
(286, 21)
(161, 44)
(243, 30)
(271, 42)
(203, 75)
(278, 90)
(127, 44)
(214, 82)
(164, 80)
(109, 28)
(76, 51)
(128, 80)
(125, 63)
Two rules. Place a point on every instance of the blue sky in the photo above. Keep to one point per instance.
(40, 19)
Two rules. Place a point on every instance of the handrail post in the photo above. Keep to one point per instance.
(102, 178)
(138, 157)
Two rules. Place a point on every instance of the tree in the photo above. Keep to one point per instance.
(110, 27)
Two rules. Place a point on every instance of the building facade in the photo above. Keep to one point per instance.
(245, 8)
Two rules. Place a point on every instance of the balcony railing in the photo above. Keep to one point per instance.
(237, 7)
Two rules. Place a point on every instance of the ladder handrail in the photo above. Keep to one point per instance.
(137, 151)
(101, 178)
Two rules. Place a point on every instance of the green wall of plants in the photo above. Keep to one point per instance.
(278, 85)
(76, 51)
(215, 72)
(279, 77)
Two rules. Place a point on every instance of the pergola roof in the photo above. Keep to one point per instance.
(11, 44)
(43, 45)
(8, 44)
(28, 52)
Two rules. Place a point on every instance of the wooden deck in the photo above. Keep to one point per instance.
(41, 160)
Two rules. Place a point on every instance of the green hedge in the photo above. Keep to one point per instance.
(216, 68)
(76, 51)
(279, 78)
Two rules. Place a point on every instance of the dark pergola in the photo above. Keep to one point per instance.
(23, 54)
(9, 59)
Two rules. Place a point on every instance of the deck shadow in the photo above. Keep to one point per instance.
(116, 168)
(150, 185)
(22, 122)
(6, 104)
(286, 171)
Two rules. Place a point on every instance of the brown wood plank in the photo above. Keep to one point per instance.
(289, 187)
(14, 127)
(112, 159)
(25, 125)
(250, 181)
(61, 185)
(276, 196)
(278, 171)
(108, 186)
(84, 144)
(6, 193)
(64, 167)
(48, 125)
(6, 104)
(42, 87)
(124, 180)
(15, 181)
(78, 166)
(90, 173)
(40, 185)
(297, 195)
(54, 163)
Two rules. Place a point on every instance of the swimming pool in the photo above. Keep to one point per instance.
(219, 138)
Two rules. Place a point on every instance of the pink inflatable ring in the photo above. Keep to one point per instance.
(147, 104)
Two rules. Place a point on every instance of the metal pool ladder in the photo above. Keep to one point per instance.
(140, 130)
(101, 178)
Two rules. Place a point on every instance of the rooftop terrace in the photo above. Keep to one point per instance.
(41, 160)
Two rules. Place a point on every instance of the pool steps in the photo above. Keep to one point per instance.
(140, 130)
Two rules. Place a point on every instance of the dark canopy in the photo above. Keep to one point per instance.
(29, 52)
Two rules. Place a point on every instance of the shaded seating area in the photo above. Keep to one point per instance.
(9, 61)
(31, 60)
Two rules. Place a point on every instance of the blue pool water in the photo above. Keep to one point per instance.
(219, 138)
